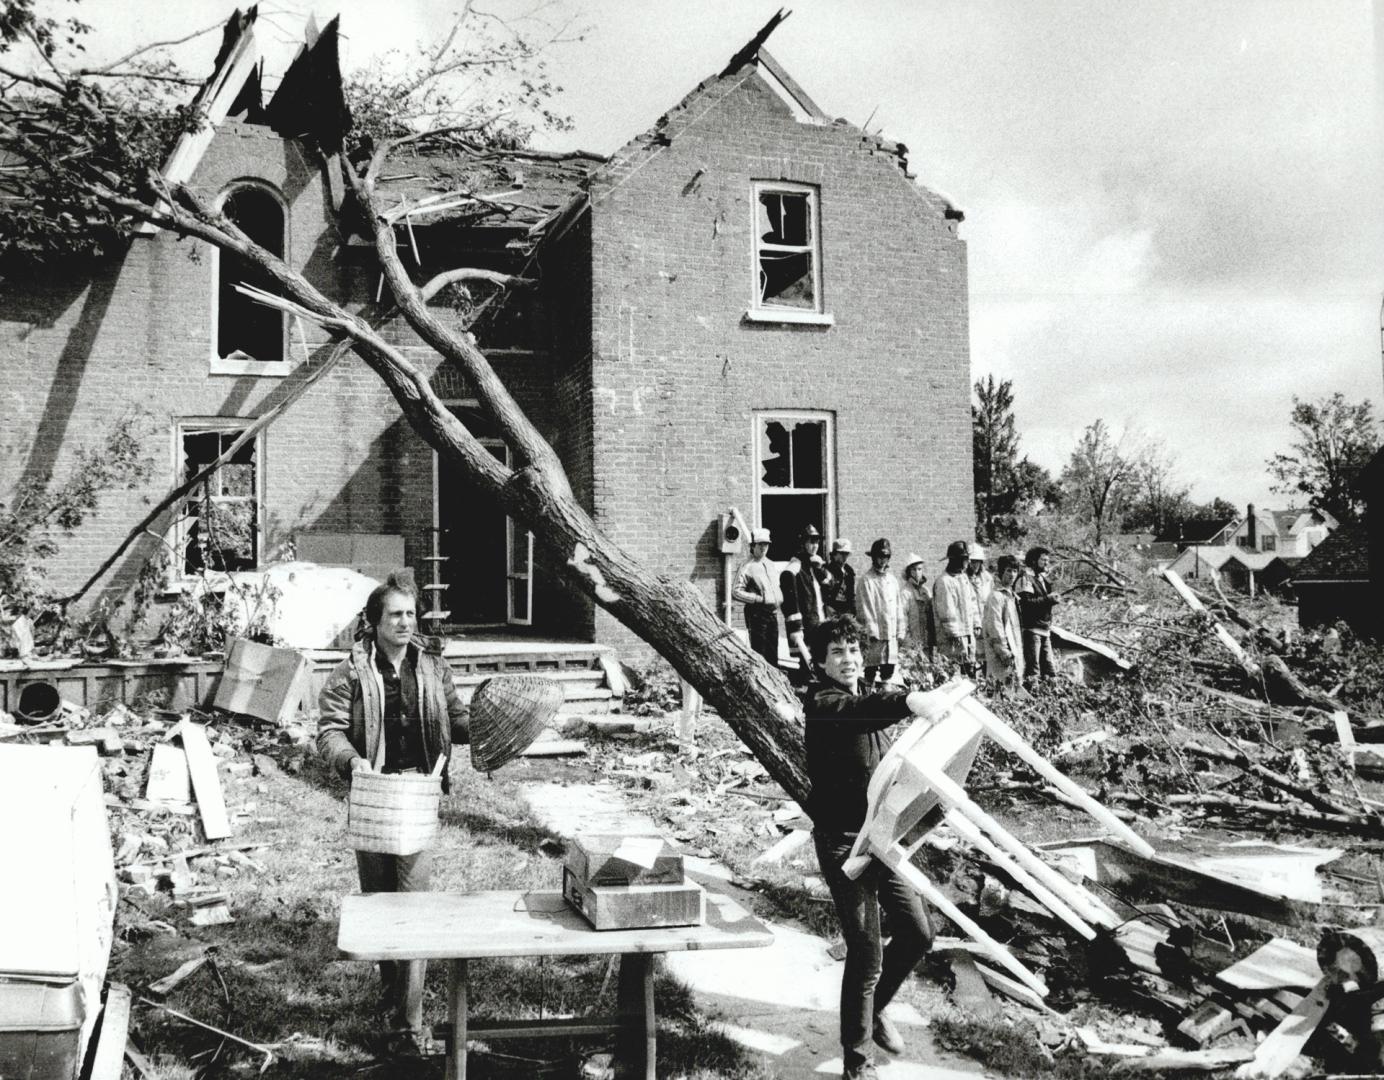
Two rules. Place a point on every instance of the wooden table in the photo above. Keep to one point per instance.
(458, 927)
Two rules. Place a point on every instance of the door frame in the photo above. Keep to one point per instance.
(512, 574)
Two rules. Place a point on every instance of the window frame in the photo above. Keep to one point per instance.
(178, 532)
(758, 419)
(758, 311)
(224, 365)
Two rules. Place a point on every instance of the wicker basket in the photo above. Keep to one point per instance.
(393, 813)
(507, 713)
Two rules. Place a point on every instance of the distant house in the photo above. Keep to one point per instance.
(1334, 582)
(1291, 533)
(1171, 542)
(1235, 567)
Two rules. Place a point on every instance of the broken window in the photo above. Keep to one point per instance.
(794, 476)
(219, 527)
(786, 256)
(246, 330)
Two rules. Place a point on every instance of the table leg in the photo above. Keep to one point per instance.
(456, 1008)
(635, 1045)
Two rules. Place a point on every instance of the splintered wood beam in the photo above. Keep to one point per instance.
(934, 896)
(973, 836)
(1283, 1044)
(1222, 634)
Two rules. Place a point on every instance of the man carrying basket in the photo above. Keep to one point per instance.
(391, 707)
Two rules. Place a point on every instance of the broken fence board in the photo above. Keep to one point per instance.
(108, 1060)
(1205, 1060)
(1282, 1045)
(170, 982)
(1275, 964)
(785, 847)
(206, 781)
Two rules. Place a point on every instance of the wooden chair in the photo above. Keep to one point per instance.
(920, 782)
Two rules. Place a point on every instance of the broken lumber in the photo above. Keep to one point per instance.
(170, 982)
(169, 780)
(108, 1060)
(1278, 780)
(206, 782)
(1171, 1059)
(554, 748)
(1222, 634)
(1352, 823)
(1282, 1045)
(785, 847)
(1275, 964)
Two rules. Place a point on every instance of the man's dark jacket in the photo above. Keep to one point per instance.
(352, 710)
(845, 737)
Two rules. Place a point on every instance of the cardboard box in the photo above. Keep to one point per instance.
(635, 907)
(621, 859)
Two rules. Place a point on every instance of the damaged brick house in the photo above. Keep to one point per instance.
(748, 306)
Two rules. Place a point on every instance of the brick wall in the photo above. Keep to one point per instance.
(86, 344)
(678, 373)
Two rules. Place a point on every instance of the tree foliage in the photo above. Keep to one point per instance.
(1007, 487)
(1334, 440)
(44, 508)
(1101, 478)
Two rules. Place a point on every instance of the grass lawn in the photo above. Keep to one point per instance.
(277, 978)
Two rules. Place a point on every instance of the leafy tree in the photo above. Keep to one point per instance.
(44, 508)
(1100, 479)
(1006, 486)
(63, 136)
(1334, 441)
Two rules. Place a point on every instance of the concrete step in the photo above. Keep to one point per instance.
(583, 691)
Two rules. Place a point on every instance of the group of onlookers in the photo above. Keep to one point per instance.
(997, 625)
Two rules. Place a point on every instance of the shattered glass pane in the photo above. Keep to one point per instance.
(774, 452)
(809, 457)
(785, 279)
(785, 218)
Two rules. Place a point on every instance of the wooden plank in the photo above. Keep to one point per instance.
(1283, 1044)
(115, 1031)
(785, 847)
(262, 681)
(206, 782)
(1203, 1060)
(1222, 634)
(169, 780)
(1012, 988)
(1274, 964)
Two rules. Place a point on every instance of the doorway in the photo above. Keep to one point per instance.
(489, 567)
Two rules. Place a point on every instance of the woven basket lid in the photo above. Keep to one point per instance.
(507, 713)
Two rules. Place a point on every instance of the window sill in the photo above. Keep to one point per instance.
(788, 315)
(239, 366)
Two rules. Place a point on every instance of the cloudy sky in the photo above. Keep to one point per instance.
(1173, 207)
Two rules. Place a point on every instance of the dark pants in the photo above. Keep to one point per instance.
(1038, 658)
(762, 622)
(873, 973)
(402, 979)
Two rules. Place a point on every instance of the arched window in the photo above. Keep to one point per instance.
(246, 330)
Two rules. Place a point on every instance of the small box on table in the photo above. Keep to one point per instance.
(622, 882)
(622, 859)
